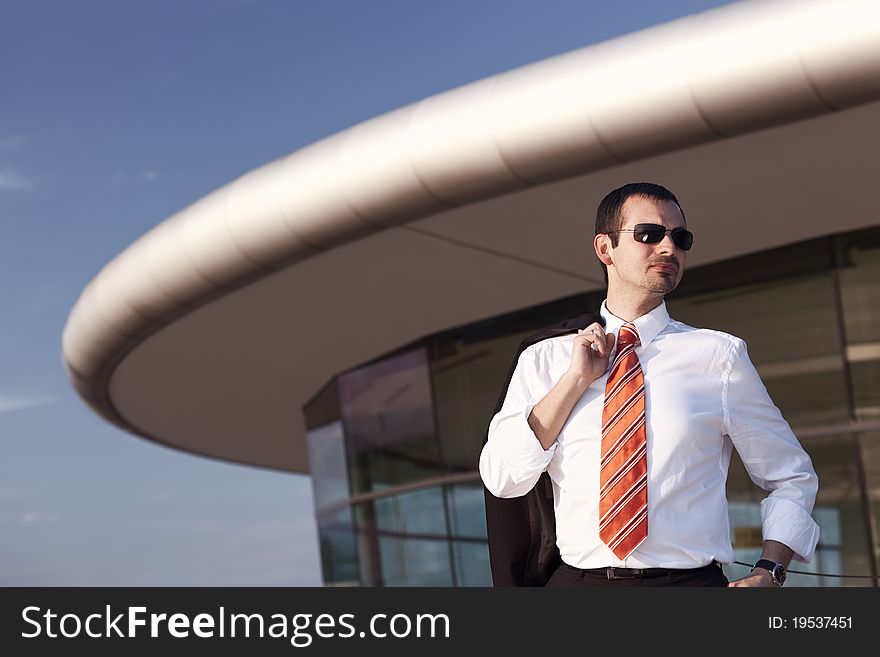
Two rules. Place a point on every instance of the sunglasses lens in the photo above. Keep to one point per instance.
(648, 233)
(684, 239)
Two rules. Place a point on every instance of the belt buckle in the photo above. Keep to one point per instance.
(611, 574)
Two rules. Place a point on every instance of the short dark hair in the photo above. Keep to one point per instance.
(609, 216)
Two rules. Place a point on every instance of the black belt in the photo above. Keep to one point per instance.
(613, 572)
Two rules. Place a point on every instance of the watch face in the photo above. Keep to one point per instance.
(779, 574)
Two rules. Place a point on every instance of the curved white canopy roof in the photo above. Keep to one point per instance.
(210, 331)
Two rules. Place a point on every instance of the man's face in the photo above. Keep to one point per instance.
(653, 268)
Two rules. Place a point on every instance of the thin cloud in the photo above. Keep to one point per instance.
(14, 181)
(9, 403)
(10, 494)
(121, 176)
(36, 517)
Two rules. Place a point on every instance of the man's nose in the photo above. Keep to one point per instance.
(666, 245)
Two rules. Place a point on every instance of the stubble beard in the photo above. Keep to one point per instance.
(660, 283)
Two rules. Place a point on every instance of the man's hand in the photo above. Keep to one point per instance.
(758, 577)
(590, 350)
(773, 551)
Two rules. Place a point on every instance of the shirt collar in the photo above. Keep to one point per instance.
(649, 325)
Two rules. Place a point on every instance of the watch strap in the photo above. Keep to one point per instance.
(777, 570)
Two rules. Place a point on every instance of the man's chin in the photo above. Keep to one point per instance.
(662, 282)
(662, 285)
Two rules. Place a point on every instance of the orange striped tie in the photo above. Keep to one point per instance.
(623, 474)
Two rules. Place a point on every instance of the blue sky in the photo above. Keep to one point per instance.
(114, 115)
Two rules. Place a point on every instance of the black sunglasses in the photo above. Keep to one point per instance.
(654, 233)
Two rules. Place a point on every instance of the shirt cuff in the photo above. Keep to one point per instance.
(787, 522)
(523, 455)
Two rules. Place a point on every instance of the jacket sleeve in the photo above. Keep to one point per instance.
(512, 458)
(772, 455)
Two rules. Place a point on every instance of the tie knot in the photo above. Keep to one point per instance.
(628, 334)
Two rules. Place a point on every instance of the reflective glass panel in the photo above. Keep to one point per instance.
(471, 563)
(328, 463)
(415, 562)
(389, 422)
(467, 382)
(416, 512)
(467, 510)
(870, 445)
(860, 292)
(339, 550)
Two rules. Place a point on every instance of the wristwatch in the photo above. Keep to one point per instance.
(777, 570)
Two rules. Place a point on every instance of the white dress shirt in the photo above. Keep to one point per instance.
(703, 397)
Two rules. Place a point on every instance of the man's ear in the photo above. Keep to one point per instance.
(602, 244)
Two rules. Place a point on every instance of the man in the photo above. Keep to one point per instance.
(633, 419)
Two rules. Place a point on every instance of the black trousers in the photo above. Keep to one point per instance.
(569, 577)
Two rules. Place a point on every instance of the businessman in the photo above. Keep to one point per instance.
(626, 421)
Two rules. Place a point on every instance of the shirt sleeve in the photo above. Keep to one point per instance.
(512, 459)
(772, 456)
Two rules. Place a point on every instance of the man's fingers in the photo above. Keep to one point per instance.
(596, 336)
(602, 344)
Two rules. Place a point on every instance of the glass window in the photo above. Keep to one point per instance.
(389, 422)
(466, 384)
(368, 543)
(860, 294)
(471, 563)
(393, 561)
(467, 510)
(428, 562)
(327, 464)
(870, 445)
(416, 512)
(415, 562)
(339, 550)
